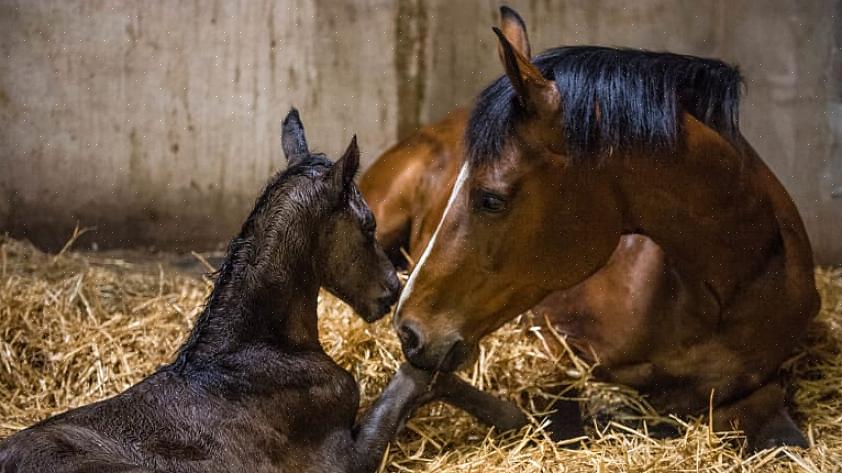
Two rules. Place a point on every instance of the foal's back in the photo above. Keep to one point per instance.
(203, 422)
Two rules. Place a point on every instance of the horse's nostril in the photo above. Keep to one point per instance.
(410, 339)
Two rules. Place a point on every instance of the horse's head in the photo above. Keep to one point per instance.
(350, 263)
(523, 220)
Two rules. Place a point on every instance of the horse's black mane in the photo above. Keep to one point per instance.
(615, 100)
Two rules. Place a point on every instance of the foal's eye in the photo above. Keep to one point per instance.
(491, 202)
(369, 229)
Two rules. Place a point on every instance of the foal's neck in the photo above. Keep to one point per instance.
(265, 295)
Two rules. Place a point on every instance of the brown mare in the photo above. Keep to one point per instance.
(611, 192)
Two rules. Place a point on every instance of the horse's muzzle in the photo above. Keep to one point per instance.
(431, 355)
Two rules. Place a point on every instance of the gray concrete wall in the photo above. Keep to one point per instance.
(157, 121)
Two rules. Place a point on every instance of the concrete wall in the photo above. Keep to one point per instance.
(157, 121)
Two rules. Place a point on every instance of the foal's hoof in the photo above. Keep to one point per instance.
(418, 378)
(778, 431)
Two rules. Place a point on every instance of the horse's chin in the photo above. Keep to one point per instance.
(470, 359)
(461, 357)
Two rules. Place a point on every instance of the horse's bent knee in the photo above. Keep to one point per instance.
(763, 417)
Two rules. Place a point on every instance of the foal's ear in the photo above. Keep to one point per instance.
(537, 94)
(514, 29)
(292, 139)
(343, 171)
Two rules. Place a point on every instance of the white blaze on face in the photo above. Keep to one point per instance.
(407, 290)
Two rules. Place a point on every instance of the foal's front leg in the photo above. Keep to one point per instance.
(404, 393)
(409, 389)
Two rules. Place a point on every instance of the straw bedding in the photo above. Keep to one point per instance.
(75, 329)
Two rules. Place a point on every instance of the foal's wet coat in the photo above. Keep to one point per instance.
(252, 389)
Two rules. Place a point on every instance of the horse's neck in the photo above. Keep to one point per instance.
(707, 209)
(259, 303)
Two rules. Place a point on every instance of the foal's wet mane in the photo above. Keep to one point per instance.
(615, 100)
(235, 281)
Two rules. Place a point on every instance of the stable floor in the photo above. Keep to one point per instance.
(77, 328)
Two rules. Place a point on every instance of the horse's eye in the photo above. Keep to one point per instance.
(492, 203)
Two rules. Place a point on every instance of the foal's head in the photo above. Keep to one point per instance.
(347, 260)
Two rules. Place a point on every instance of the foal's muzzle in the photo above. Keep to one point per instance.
(390, 290)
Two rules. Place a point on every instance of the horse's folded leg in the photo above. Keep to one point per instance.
(563, 416)
(663, 431)
(566, 421)
(763, 418)
(779, 430)
(501, 414)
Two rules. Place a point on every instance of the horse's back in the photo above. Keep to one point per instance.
(797, 251)
(408, 185)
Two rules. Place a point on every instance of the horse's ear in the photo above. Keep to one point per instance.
(514, 29)
(537, 94)
(292, 139)
(343, 171)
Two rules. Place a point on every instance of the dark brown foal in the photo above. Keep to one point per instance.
(252, 389)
